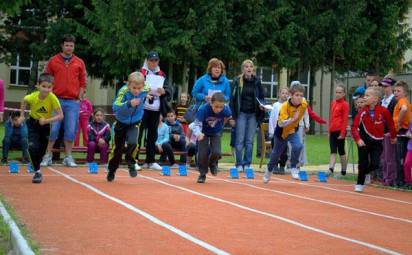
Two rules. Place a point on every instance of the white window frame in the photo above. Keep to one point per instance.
(17, 68)
(273, 82)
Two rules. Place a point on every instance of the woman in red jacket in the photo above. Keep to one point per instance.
(339, 111)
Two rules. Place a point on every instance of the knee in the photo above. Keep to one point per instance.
(6, 141)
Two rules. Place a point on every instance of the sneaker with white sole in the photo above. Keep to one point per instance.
(47, 160)
(266, 176)
(145, 166)
(68, 161)
(368, 179)
(155, 166)
(358, 188)
(295, 173)
(239, 169)
(137, 167)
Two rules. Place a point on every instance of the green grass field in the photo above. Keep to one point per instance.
(317, 148)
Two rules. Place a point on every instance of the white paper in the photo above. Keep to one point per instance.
(155, 81)
(266, 106)
(210, 92)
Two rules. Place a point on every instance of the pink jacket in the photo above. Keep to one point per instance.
(86, 109)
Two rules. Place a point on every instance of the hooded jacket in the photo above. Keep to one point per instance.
(122, 108)
(205, 83)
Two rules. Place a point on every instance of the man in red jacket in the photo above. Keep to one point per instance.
(69, 73)
(368, 130)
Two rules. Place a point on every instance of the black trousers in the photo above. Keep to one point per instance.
(369, 159)
(148, 131)
(167, 152)
(208, 153)
(124, 133)
(38, 140)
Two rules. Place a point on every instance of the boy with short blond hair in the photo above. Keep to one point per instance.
(128, 109)
(368, 130)
(43, 103)
(290, 114)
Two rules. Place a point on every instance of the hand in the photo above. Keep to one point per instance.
(295, 116)
(232, 122)
(159, 147)
(135, 102)
(20, 120)
(361, 143)
(341, 137)
(101, 141)
(176, 137)
(262, 108)
(181, 119)
(306, 129)
(200, 137)
(149, 97)
(43, 121)
(393, 141)
(161, 91)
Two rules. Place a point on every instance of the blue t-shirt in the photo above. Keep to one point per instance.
(212, 123)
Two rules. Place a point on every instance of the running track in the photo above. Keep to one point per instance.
(73, 212)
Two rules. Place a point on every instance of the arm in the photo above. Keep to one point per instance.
(345, 121)
(315, 117)
(163, 136)
(227, 90)
(91, 134)
(107, 135)
(82, 80)
(402, 114)
(197, 90)
(306, 121)
(273, 119)
(355, 127)
(57, 117)
(120, 104)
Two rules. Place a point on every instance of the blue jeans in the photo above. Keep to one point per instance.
(245, 132)
(15, 142)
(279, 147)
(71, 111)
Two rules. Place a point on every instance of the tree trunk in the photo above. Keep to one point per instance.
(322, 71)
(170, 74)
(33, 76)
(185, 77)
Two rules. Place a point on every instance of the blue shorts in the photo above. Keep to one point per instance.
(71, 111)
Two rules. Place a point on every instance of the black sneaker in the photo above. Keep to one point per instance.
(201, 179)
(4, 161)
(110, 176)
(213, 170)
(343, 172)
(132, 171)
(37, 178)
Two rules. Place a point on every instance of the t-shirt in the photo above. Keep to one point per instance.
(212, 123)
(42, 108)
(405, 122)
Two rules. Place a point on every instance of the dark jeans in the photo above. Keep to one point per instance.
(38, 140)
(15, 142)
(401, 150)
(167, 152)
(122, 133)
(208, 153)
(180, 146)
(148, 131)
(369, 159)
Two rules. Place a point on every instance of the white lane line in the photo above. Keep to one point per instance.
(293, 222)
(146, 215)
(317, 200)
(344, 191)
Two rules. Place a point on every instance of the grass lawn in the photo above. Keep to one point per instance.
(4, 237)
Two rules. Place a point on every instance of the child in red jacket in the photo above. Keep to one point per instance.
(339, 112)
(368, 131)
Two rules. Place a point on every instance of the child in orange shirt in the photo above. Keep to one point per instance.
(401, 117)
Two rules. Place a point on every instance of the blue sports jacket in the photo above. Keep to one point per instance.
(122, 109)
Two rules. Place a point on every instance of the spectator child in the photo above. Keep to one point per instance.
(368, 131)
(128, 109)
(191, 145)
(181, 110)
(177, 136)
(163, 142)
(15, 137)
(408, 160)
(290, 114)
(339, 113)
(86, 110)
(99, 137)
(43, 103)
(208, 128)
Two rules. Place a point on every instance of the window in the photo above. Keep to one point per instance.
(20, 71)
(269, 81)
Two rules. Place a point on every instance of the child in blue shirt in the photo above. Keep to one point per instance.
(15, 137)
(128, 109)
(208, 128)
(163, 145)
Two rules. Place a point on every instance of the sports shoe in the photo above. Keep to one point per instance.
(145, 166)
(132, 171)
(239, 169)
(213, 170)
(37, 178)
(368, 179)
(266, 176)
(343, 172)
(47, 160)
(68, 161)
(201, 179)
(137, 167)
(155, 166)
(4, 161)
(295, 173)
(110, 176)
(358, 188)
(174, 166)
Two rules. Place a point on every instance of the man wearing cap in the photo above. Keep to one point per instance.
(156, 104)
(388, 100)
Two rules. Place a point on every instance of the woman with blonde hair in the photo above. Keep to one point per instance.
(246, 110)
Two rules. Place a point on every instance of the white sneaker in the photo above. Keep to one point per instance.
(240, 169)
(145, 166)
(266, 176)
(47, 160)
(295, 173)
(358, 188)
(68, 161)
(174, 166)
(367, 179)
(137, 167)
(155, 166)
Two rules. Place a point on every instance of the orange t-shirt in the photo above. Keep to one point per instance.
(405, 122)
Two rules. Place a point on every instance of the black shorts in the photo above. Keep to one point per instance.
(336, 144)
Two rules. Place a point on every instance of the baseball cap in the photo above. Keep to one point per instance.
(152, 55)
